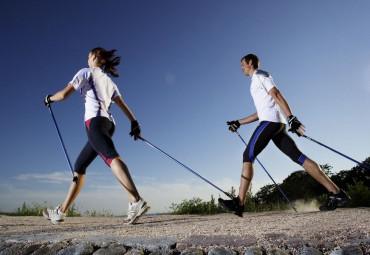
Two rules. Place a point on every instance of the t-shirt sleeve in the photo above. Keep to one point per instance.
(81, 78)
(116, 92)
(269, 83)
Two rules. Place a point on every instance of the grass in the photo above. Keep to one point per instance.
(35, 209)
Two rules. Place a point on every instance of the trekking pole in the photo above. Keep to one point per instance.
(187, 168)
(281, 191)
(361, 164)
(61, 141)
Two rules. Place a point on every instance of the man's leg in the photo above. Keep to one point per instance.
(286, 144)
(236, 205)
(245, 181)
(318, 174)
(259, 140)
(336, 197)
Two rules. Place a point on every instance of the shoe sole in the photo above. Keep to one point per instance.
(141, 213)
(57, 222)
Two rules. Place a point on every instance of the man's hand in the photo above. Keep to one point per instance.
(233, 125)
(295, 126)
(135, 129)
(47, 100)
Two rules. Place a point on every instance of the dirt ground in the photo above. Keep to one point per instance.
(328, 230)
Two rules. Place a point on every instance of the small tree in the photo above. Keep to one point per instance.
(360, 195)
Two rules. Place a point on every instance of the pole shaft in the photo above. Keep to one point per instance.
(61, 140)
(184, 166)
(343, 155)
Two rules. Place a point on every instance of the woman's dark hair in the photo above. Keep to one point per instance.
(108, 60)
(254, 58)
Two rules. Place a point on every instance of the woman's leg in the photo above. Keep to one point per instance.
(122, 173)
(74, 189)
(85, 158)
(100, 132)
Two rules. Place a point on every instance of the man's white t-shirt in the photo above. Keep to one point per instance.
(98, 91)
(267, 109)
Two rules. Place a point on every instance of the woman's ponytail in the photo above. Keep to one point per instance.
(108, 60)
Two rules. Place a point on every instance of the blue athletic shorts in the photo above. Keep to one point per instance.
(276, 132)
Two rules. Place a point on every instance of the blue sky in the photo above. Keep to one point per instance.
(181, 77)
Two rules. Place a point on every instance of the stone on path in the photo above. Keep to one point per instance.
(113, 249)
(254, 251)
(310, 251)
(220, 251)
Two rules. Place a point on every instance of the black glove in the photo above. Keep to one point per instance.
(294, 124)
(135, 129)
(233, 125)
(47, 100)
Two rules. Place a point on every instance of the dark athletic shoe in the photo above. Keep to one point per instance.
(232, 205)
(335, 201)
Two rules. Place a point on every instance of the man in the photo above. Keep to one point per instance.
(268, 101)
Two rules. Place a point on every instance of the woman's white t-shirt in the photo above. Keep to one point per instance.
(98, 91)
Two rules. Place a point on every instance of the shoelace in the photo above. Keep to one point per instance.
(56, 210)
(131, 212)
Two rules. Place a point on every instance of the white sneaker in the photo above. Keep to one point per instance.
(136, 211)
(54, 215)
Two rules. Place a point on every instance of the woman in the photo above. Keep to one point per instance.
(99, 91)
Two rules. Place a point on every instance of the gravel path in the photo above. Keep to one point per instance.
(325, 230)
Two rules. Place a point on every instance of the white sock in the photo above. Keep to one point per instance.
(136, 202)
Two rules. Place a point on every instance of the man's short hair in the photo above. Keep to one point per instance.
(254, 58)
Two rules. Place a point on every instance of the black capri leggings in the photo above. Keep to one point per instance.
(276, 132)
(99, 132)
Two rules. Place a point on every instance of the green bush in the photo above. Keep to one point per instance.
(196, 206)
(36, 210)
(73, 211)
(26, 210)
(94, 213)
(360, 195)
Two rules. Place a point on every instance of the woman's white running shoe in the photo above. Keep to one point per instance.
(54, 215)
(136, 211)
